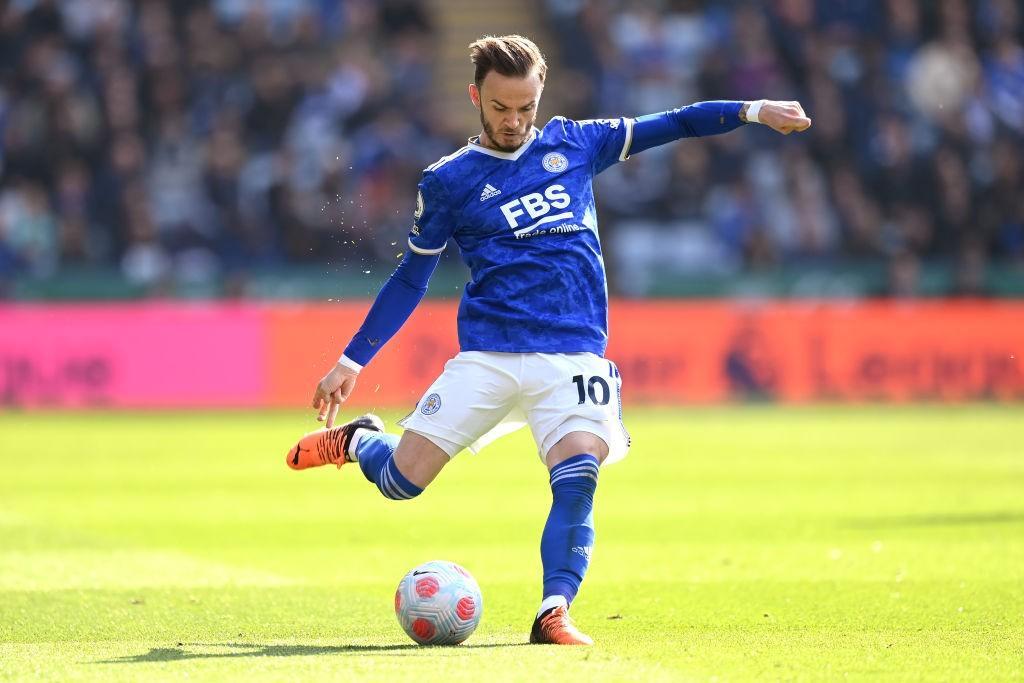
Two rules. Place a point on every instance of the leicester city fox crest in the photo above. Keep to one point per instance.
(431, 404)
(554, 162)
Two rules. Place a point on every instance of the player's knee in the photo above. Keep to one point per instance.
(575, 443)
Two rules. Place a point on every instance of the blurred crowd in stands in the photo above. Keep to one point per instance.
(188, 139)
(915, 152)
(202, 138)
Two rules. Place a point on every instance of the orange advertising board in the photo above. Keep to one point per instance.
(819, 351)
(705, 352)
(306, 341)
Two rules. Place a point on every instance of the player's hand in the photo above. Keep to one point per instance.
(784, 117)
(333, 390)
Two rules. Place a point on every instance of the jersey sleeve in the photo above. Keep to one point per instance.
(433, 218)
(606, 140)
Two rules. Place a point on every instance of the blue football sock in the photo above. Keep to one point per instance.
(568, 537)
(375, 452)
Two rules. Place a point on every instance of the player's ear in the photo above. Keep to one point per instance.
(474, 95)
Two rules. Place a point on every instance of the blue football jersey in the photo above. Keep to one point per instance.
(526, 226)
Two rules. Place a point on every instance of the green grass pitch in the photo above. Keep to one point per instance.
(759, 543)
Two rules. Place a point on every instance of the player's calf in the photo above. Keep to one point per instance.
(401, 468)
(565, 548)
(375, 453)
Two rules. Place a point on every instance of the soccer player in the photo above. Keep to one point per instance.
(533, 321)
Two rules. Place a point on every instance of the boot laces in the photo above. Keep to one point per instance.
(333, 448)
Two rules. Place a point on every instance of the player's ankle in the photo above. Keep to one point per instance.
(551, 602)
(351, 454)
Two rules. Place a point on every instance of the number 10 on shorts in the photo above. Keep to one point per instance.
(596, 388)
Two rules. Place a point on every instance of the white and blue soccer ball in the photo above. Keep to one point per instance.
(439, 603)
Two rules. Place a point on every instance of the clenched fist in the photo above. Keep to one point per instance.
(783, 117)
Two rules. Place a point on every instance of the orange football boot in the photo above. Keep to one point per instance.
(554, 627)
(329, 446)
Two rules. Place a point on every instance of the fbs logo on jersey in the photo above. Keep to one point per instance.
(537, 206)
(488, 192)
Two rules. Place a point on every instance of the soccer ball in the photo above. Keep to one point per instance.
(438, 603)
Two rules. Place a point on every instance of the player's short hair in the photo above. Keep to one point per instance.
(511, 55)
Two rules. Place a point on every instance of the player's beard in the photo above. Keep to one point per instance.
(494, 138)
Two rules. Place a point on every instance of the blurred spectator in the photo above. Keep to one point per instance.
(969, 280)
(29, 227)
(904, 276)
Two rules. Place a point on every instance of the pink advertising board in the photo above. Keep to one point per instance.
(148, 355)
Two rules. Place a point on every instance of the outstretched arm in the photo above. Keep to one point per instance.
(713, 118)
(396, 301)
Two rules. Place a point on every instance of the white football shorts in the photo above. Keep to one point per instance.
(483, 395)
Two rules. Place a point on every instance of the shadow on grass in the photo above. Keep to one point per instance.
(182, 652)
(951, 519)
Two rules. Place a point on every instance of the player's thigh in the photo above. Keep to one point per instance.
(475, 392)
(419, 459)
(573, 397)
(575, 443)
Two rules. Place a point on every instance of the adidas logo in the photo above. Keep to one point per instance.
(489, 191)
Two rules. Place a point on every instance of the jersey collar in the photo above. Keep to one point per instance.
(474, 144)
